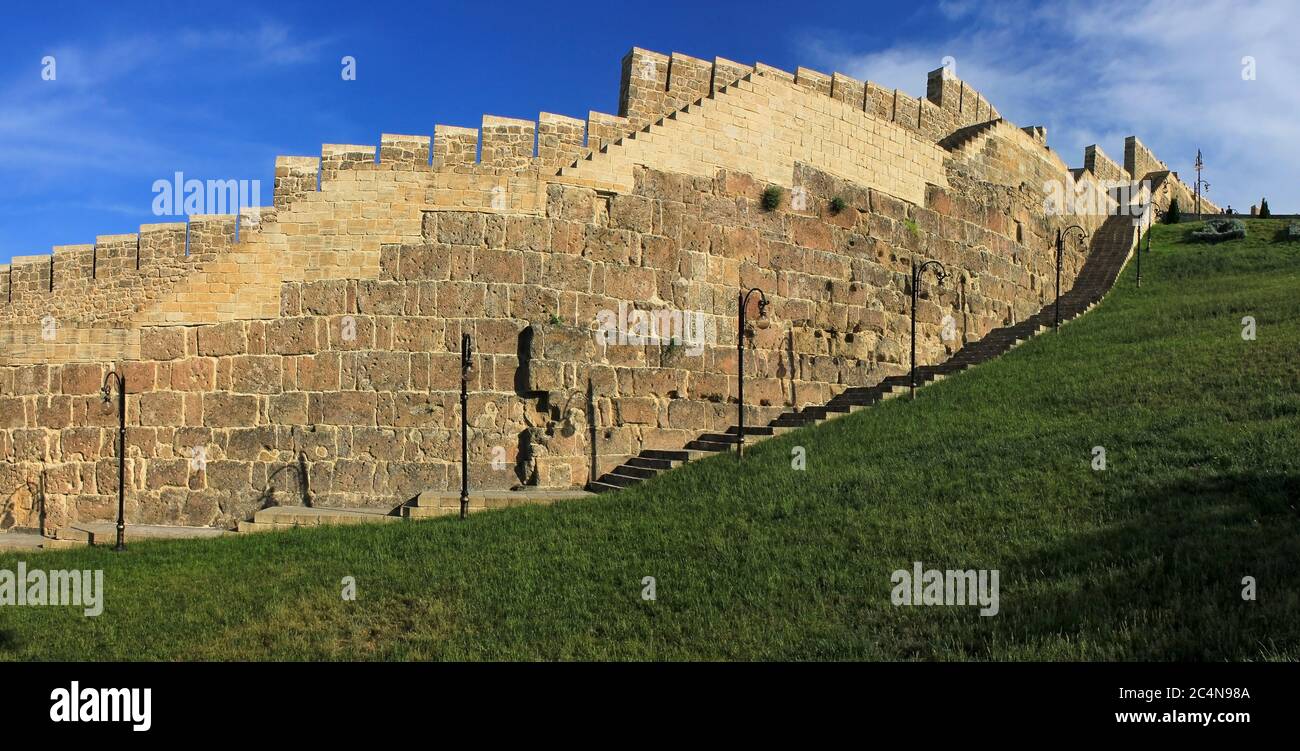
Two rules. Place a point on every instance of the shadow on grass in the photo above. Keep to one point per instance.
(1175, 571)
(1283, 236)
(8, 640)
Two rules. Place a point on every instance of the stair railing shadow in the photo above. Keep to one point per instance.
(267, 498)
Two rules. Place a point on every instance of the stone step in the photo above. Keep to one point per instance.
(676, 456)
(441, 502)
(105, 533)
(709, 446)
(629, 470)
(792, 423)
(646, 462)
(247, 527)
(619, 480)
(727, 437)
(749, 430)
(308, 516)
(858, 400)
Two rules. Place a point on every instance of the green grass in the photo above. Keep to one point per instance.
(990, 469)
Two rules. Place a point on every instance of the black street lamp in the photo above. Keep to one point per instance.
(761, 323)
(1060, 254)
(940, 273)
(466, 373)
(112, 378)
(1155, 213)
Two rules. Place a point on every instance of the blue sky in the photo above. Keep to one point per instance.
(145, 90)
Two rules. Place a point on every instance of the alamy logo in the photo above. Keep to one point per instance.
(73, 588)
(1097, 197)
(76, 704)
(181, 197)
(663, 326)
(935, 587)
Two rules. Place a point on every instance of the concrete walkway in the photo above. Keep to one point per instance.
(18, 541)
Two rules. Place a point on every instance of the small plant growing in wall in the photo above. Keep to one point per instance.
(837, 205)
(556, 320)
(911, 227)
(772, 196)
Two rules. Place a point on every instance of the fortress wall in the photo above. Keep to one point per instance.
(327, 336)
(357, 378)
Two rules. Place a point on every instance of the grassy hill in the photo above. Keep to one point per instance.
(989, 469)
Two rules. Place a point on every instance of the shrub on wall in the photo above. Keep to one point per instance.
(1218, 230)
(772, 197)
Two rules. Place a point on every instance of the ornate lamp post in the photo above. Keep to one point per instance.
(1060, 254)
(116, 378)
(940, 273)
(466, 373)
(761, 323)
(1200, 184)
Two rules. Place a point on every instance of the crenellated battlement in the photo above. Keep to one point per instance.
(655, 85)
(403, 152)
(1101, 166)
(505, 163)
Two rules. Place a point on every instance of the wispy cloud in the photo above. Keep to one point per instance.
(114, 120)
(268, 43)
(1094, 72)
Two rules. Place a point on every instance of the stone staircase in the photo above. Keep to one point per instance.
(962, 138)
(1112, 247)
(611, 164)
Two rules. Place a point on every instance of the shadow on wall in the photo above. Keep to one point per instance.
(303, 484)
(24, 505)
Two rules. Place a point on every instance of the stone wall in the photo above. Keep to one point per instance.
(357, 380)
(323, 344)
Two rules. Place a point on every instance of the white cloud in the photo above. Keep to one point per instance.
(1167, 72)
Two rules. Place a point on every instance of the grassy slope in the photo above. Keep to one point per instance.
(986, 470)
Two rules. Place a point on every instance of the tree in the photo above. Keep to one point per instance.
(1173, 214)
(1263, 208)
